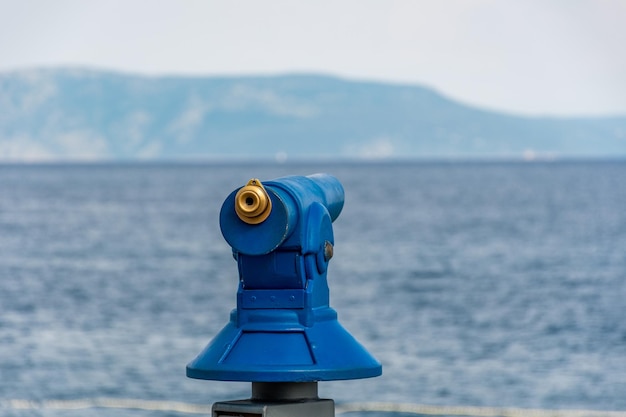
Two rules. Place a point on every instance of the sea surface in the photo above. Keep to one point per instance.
(479, 284)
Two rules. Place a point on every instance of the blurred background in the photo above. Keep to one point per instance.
(278, 79)
(481, 254)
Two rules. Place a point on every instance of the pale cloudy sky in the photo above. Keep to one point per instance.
(556, 57)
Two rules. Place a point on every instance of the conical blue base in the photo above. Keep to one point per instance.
(274, 347)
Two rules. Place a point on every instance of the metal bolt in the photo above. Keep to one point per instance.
(328, 251)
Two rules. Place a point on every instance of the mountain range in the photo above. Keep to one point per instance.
(82, 114)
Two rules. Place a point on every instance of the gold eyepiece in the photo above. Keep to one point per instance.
(252, 203)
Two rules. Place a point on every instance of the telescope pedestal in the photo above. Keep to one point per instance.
(278, 399)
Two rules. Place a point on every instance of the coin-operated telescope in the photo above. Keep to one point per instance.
(283, 336)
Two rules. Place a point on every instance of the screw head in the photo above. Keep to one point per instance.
(328, 251)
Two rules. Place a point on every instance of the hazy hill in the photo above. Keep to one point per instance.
(84, 114)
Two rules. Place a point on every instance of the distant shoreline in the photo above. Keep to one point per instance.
(312, 161)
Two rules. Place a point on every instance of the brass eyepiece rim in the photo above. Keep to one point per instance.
(252, 203)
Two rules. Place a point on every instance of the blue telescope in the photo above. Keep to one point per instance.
(283, 329)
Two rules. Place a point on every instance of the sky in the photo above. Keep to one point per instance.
(529, 57)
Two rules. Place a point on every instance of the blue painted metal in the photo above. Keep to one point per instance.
(283, 329)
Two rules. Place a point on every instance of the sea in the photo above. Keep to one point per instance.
(474, 283)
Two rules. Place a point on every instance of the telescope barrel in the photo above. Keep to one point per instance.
(258, 217)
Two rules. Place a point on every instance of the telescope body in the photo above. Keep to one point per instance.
(283, 329)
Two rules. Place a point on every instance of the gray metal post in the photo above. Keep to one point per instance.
(278, 399)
